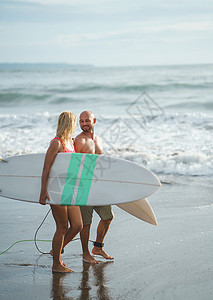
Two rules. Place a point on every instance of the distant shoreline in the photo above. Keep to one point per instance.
(43, 65)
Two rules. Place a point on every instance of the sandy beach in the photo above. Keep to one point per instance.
(171, 261)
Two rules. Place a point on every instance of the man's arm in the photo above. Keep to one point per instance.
(98, 145)
(78, 145)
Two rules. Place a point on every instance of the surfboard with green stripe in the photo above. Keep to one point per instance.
(77, 179)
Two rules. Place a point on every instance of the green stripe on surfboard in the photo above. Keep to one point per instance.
(86, 180)
(71, 178)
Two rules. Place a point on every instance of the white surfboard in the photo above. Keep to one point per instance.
(77, 179)
(140, 209)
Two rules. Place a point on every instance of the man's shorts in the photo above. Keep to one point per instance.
(104, 212)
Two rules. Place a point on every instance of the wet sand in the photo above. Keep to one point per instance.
(171, 261)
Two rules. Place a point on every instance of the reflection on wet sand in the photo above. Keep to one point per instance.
(98, 273)
(85, 286)
(103, 291)
(92, 276)
(59, 290)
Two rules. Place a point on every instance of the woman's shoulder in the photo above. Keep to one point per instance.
(55, 139)
(56, 143)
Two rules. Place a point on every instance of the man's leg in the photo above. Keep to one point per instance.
(102, 230)
(84, 234)
(86, 213)
(106, 215)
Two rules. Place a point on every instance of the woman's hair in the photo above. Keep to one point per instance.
(66, 125)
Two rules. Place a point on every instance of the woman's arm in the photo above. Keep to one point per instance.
(52, 151)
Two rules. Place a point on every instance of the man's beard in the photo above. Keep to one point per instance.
(86, 129)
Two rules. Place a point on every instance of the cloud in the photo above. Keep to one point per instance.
(63, 2)
(192, 26)
(134, 33)
(73, 40)
(100, 28)
(183, 26)
(100, 11)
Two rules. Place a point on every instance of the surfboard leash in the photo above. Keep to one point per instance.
(40, 240)
(35, 241)
(20, 241)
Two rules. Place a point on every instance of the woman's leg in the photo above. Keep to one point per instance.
(76, 224)
(61, 220)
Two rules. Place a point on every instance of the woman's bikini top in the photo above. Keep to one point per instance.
(65, 149)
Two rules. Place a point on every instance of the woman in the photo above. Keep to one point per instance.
(61, 143)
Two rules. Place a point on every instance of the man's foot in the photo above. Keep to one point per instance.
(89, 259)
(101, 252)
(59, 268)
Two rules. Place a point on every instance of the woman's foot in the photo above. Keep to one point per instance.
(61, 261)
(59, 268)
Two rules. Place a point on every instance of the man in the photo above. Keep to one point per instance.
(88, 142)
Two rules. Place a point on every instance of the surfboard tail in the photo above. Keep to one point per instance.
(140, 209)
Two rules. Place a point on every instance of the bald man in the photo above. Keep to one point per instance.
(89, 142)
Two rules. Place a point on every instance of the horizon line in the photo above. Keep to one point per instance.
(106, 66)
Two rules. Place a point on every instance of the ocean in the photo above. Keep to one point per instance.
(158, 116)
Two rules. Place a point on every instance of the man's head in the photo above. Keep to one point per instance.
(87, 121)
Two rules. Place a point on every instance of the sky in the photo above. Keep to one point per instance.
(107, 32)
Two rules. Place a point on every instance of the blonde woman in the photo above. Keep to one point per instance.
(61, 143)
